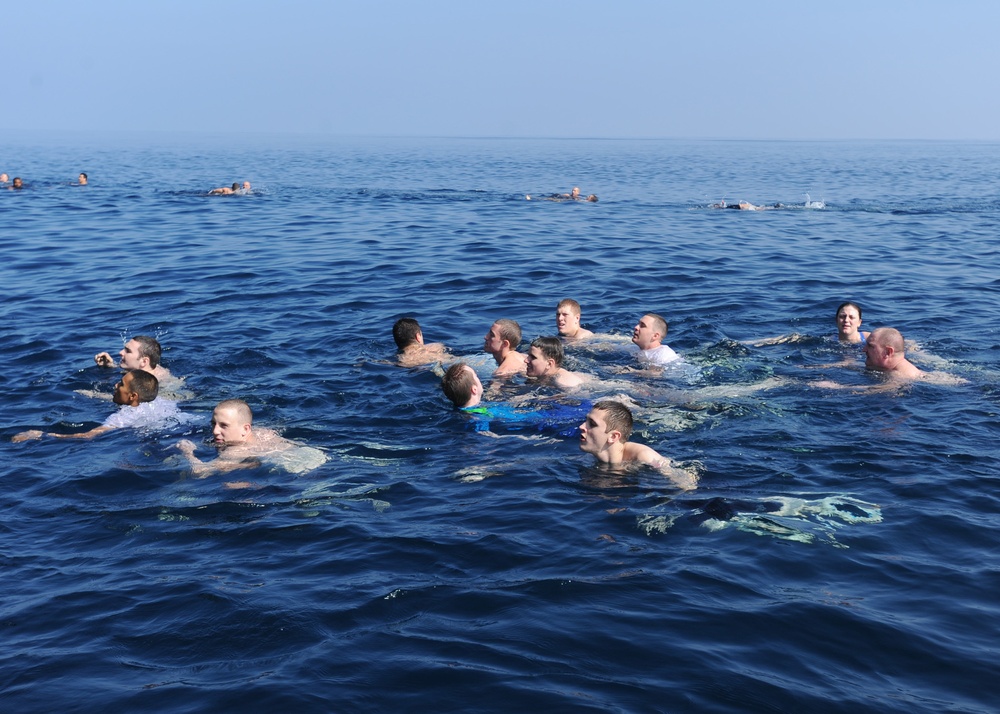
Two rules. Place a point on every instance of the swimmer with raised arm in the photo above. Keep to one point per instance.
(568, 314)
(140, 407)
(545, 358)
(141, 352)
(502, 341)
(411, 350)
(605, 434)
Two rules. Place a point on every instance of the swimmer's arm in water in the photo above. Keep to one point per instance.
(94, 394)
(103, 359)
(781, 340)
(37, 434)
(646, 455)
(203, 469)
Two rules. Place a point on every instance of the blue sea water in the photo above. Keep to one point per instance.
(840, 553)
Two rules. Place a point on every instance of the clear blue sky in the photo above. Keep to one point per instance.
(841, 69)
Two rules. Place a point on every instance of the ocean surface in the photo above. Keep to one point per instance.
(839, 555)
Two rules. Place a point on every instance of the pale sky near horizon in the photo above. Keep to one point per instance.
(723, 70)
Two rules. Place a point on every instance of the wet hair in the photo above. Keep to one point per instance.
(510, 331)
(457, 384)
(83, 175)
(149, 347)
(242, 409)
(405, 332)
(617, 417)
(551, 348)
(842, 305)
(571, 304)
(144, 384)
(659, 323)
(236, 185)
(888, 337)
(592, 198)
(17, 183)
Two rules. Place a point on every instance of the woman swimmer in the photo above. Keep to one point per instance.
(848, 321)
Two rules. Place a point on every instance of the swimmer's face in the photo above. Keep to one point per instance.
(227, 427)
(493, 343)
(567, 321)
(131, 358)
(848, 320)
(123, 390)
(18, 183)
(594, 436)
(538, 364)
(644, 334)
(246, 185)
(575, 193)
(876, 355)
(83, 179)
(4, 178)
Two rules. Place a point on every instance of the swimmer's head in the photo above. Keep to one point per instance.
(83, 179)
(17, 183)
(461, 385)
(617, 417)
(136, 387)
(232, 423)
(501, 331)
(246, 185)
(4, 178)
(568, 317)
(406, 332)
(592, 198)
(544, 356)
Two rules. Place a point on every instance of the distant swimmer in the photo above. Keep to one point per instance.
(573, 195)
(605, 434)
(647, 335)
(568, 314)
(245, 189)
(545, 358)
(502, 341)
(139, 407)
(82, 180)
(241, 446)
(411, 350)
(885, 353)
(4, 178)
(17, 183)
(225, 190)
(745, 206)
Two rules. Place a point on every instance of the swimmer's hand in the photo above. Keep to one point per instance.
(186, 447)
(103, 359)
(26, 435)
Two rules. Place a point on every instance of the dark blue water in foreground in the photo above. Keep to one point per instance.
(425, 567)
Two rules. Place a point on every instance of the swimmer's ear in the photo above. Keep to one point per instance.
(614, 435)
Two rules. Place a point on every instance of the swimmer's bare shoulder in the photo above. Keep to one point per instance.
(642, 454)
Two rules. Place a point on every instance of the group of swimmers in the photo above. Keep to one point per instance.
(147, 396)
(607, 427)
(144, 390)
(18, 182)
(236, 188)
